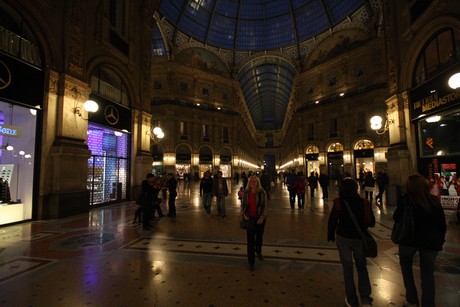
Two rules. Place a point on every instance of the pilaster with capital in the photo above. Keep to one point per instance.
(401, 154)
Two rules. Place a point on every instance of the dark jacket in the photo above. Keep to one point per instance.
(171, 185)
(312, 181)
(206, 185)
(323, 180)
(382, 179)
(369, 181)
(149, 193)
(215, 187)
(341, 222)
(430, 227)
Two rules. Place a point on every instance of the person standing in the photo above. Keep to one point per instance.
(171, 185)
(147, 199)
(301, 185)
(291, 179)
(369, 185)
(254, 210)
(206, 184)
(157, 187)
(342, 229)
(312, 183)
(324, 183)
(220, 191)
(430, 232)
(382, 181)
(265, 180)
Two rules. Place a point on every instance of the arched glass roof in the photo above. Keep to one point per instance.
(266, 83)
(255, 25)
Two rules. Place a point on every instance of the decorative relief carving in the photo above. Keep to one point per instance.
(76, 39)
(53, 85)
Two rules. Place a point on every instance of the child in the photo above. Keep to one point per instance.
(240, 194)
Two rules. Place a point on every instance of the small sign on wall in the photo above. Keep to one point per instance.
(6, 172)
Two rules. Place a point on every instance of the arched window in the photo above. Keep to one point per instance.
(438, 53)
(106, 83)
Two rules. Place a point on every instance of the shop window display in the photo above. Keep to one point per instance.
(108, 167)
(17, 152)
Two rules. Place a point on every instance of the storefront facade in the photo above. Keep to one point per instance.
(20, 111)
(435, 112)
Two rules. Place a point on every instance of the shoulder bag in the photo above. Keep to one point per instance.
(403, 232)
(369, 244)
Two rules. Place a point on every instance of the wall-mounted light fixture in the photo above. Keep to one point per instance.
(377, 126)
(454, 81)
(90, 106)
(156, 134)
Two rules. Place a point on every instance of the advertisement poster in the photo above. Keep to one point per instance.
(446, 185)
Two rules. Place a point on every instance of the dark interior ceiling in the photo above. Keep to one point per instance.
(256, 26)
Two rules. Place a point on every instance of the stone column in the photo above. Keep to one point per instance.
(65, 169)
(401, 154)
(142, 156)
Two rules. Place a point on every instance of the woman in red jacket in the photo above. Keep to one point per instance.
(255, 211)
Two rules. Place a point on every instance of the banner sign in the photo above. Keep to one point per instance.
(21, 82)
(434, 95)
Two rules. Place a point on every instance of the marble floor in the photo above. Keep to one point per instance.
(102, 259)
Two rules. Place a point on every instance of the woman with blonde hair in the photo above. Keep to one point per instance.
(430, 231)
(254, 210)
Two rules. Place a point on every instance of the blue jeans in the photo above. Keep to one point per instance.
(350, 249)
(207, 201)
(427, 260)
(221, 204)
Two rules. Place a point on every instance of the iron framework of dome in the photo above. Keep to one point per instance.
(256, 26)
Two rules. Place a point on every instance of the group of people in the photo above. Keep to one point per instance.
(430, 229)
(149, 200)
(350, 217)
(297, 186)
(214, 187)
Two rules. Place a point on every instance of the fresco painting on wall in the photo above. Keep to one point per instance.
(204, 60)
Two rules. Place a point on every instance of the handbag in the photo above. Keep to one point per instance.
(369, 244)
(244, 224)
(404, 230)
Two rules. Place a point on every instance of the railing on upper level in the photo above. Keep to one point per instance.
(19, 47)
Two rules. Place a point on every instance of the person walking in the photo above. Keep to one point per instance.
(254, 210)
(171, 185)
(324, 183)
(430, 231)
(220, 191)
(291, 179)
(382, 181)
(265, 180)
(206, 184)
(301, 189)
(342, 229)
(369, 185)
(312, 183)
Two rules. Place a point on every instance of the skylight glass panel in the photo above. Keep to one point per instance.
(339, 9)
(158, 45)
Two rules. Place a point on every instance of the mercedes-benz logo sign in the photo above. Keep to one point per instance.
(111, 114)
(5, 76)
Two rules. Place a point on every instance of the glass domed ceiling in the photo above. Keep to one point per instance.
(256, 25)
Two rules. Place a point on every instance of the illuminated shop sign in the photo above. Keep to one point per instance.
(12, 131)
(434, 95)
